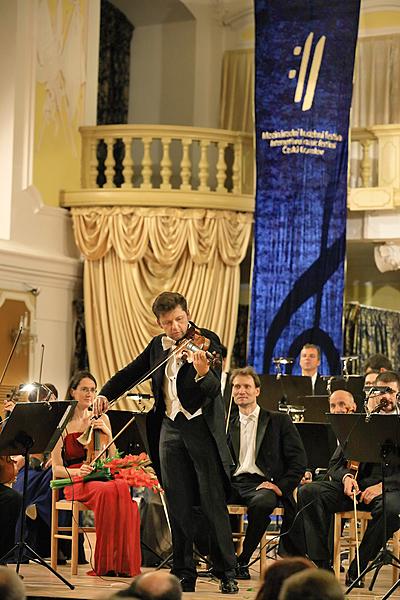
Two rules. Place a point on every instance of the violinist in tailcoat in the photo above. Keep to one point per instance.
(324, 498)
(186, 438)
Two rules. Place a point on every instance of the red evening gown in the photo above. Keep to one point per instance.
(116, 517)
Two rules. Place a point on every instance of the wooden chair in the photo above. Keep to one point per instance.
(66, 533)
(350, 540)
(238, 536)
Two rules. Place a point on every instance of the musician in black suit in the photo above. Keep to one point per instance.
(310, 359)
(269, 461)
(186, 433)
(321, 499)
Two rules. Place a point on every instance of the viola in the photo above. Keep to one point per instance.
(96, 445)
(195, 341)
(382, 404)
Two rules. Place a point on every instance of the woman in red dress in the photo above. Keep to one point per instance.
(116, 515)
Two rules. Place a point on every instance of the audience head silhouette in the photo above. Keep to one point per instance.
(277, 573)
(11, 586)
(312, 584)
(156, 585)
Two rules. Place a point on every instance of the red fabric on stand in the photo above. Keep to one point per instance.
(116, 517)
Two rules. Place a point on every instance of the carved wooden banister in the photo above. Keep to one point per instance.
(162, 158)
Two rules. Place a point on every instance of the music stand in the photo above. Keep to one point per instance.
(376, 441)
(319, 442)
(33, 428)
(315, 408)
(283, 389)
(134, 439)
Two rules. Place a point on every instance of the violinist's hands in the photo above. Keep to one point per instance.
(307, 478)
(100, 405)
(371, 492)
(9, 405)
(200, 363)
(84, 470)
(268, 485)
(350, 486)
(102, 426)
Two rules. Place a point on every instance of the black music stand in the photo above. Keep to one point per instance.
(33, 428)
(375, 441)
(319, 442)
(134, 439)
(315, 408)
(283, 389)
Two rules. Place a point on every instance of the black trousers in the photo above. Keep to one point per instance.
(260, 504)
(10, 506)
(327, 497)
(192, 476)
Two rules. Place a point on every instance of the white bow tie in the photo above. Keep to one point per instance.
(167, 342)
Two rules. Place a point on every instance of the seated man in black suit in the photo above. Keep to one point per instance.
(269, 461)
(323, 498)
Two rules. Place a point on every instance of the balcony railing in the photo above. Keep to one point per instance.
(132, 164)
(213, 168)
(375, 168)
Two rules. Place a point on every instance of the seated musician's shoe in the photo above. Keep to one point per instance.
(350, 578)
(242, 572)
(228, 585)
(188, 585)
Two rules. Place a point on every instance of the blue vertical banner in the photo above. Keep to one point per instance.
(304, 60)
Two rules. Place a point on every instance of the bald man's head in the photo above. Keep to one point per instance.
(156, 585)
(341, 402)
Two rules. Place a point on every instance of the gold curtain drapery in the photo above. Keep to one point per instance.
(132, 254)
(237, 83)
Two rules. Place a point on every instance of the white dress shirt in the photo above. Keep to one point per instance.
(313, 380)
(248, 434)
(172, 403)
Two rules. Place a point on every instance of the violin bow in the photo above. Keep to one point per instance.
(11, 353)
(356, 533)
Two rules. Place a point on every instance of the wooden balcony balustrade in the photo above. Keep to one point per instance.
(186, 166)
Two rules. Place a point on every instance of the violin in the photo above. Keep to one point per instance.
(96, 445)
(195, 341)
(382, 404)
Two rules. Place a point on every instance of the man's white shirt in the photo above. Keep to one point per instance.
(248, 434)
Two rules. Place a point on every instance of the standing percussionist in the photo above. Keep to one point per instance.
(186, 438)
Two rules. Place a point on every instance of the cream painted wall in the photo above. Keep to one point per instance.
(145, 75)
(162, 74)
(40, 253)
(8, 17)
(59, 101)
(176, 71)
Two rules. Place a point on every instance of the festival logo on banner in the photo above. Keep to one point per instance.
(304, 66)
